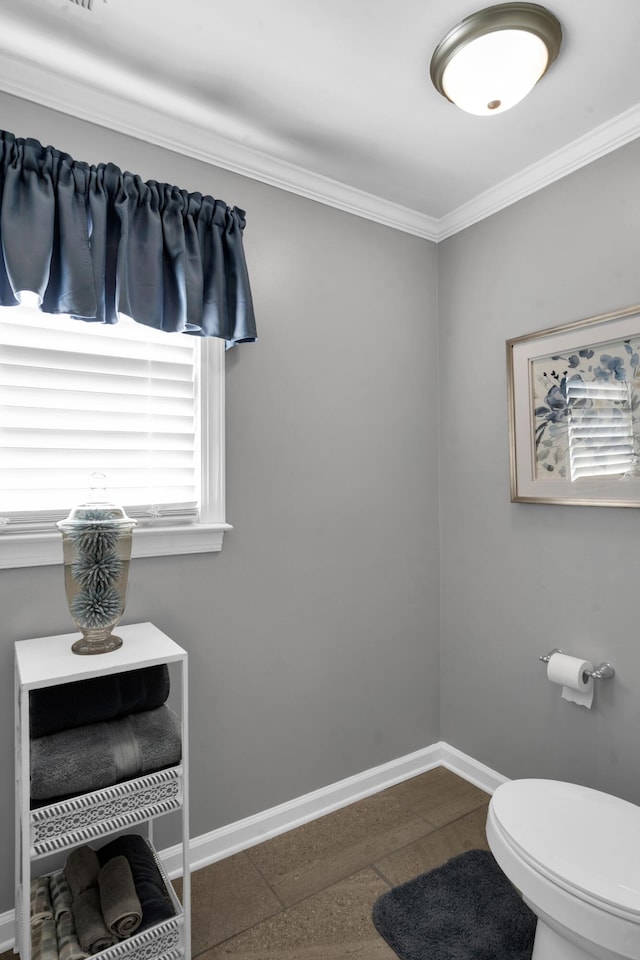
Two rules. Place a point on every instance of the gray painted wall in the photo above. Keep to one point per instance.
(520, 579)
(313, 636)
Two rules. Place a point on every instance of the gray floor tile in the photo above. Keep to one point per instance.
(334, 924)
(432, 850)
(317, 854)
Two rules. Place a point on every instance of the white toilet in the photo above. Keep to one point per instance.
(574, 855)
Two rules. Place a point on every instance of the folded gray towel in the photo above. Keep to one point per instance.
(118, 898)
(77, 704)
(150, 887)
(41, 908)
(90, 926)
(62, 902)
(44, 945)
(159, 738)
(61, 898)
(81, 870)
(101, 754)
(68, 944)
(74, 761)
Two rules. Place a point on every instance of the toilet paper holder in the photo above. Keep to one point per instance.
(604, 671)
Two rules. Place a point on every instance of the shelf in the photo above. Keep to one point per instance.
(60, 825)
(81, 819)
(47, 661)
(164, 941)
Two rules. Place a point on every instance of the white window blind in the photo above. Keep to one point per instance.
(144, 408)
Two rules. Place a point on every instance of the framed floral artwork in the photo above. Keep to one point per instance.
(574, 412)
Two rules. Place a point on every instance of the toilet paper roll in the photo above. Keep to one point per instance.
(569, 671)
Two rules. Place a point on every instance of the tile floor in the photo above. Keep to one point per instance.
(308, 894)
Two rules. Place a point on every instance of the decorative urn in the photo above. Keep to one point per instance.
(96, 544)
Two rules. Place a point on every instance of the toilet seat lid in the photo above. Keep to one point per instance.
(586, 841)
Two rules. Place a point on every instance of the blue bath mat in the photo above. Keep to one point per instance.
(464, 910)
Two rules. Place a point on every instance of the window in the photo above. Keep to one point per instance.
(142, 407)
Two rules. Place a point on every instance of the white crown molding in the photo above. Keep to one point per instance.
(604, 139)
(149, 121)
(178, 124)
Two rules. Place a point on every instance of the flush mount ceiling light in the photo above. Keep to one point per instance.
(494, 58)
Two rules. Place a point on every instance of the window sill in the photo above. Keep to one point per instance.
(45, 549)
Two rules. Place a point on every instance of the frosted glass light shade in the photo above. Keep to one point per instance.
(496, 71)
(492, 59)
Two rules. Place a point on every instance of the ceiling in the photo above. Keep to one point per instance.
(330, 98)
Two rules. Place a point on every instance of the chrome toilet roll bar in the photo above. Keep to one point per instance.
(604, 671)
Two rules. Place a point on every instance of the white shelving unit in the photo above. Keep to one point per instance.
(51, 829)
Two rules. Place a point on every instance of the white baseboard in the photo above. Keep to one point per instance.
(469, 769)
(269, 823)
(7, 924)
(246, 833)
(241, 834)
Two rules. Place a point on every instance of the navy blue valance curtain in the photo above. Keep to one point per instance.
(93, 242)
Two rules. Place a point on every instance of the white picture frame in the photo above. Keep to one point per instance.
(574, 412)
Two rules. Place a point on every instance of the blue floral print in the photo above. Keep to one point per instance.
(557, 401)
